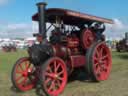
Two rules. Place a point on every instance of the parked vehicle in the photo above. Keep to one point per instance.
(8, 46)
(122, 45)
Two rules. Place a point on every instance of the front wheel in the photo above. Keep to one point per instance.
(23, 75)
(98, 61)
(53, 76)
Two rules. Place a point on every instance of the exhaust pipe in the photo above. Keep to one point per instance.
(41, 16)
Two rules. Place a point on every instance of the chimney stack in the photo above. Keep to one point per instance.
(41, 17)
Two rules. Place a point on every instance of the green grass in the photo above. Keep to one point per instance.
(116, 85)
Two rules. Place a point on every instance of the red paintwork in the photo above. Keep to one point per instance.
(55, 76)
(73, 42)
(102, 62)
(78, 61)
(22, 71)
(87, 38)
(60, 51)
(71, 47)
(71, 17)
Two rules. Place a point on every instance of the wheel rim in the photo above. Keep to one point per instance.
(88, 38)
(102, 62)
(55, 77)
(24, 75)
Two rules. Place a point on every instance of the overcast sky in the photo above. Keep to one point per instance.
(15, 18)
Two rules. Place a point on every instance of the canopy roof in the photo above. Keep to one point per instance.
(71, 17)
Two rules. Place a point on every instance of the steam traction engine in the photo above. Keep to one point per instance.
(72, 40)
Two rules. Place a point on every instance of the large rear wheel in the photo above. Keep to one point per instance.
(98, 61)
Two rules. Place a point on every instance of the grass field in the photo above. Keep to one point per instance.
(116, 85)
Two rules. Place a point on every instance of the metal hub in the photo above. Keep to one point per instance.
(25, 74)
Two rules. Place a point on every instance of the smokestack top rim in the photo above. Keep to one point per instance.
(41, 3)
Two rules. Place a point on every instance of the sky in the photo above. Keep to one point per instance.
(15, 17)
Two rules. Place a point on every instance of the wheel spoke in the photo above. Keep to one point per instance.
(17, 79)
(96, 65)
(101, 52)
(28, 66)
(101, 69)
(21, 67)
(97, 53)
(52, 86)
(98, 71)
(104, 57)
(60, 73)
(49, 69)
(57, 67)
(18, 72)
(49, 74)
(58, 83)
(98, 68)
(105, 67)
(60, 78)
(104, 62)
(48, 80)
(96, 59)
(24, 81)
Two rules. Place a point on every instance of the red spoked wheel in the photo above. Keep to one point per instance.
(23, 75)
(99, 61)
(88, 37)
(53, 76)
